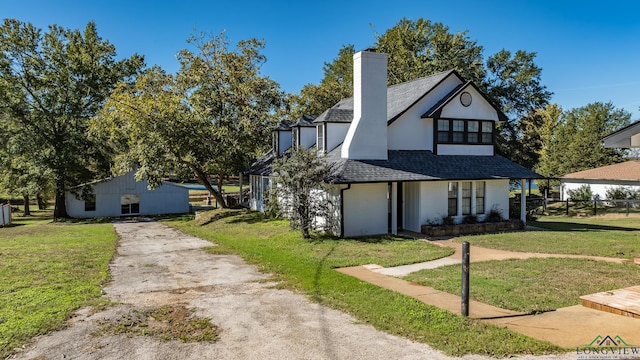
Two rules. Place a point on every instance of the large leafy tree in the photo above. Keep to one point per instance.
(576, 143)
(212, 118)
(418, 48)
(50, 85)
(336, 84)
(514, 84)
(536, 130)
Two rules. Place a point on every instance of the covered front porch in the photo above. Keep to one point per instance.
(390, 207)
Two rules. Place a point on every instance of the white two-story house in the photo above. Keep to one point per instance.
(405, 155)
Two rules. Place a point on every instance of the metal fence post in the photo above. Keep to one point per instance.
(627, 207)
(567, 207)
(465, 278)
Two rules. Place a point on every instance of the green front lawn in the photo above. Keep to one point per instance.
(533, 285)
(47, 271)
(307, 267)
(610, 236)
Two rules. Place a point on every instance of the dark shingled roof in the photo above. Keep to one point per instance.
(400, 97)
(262, 166)
(424, 165)
(284, 125)
(336, 114)
(305, 121)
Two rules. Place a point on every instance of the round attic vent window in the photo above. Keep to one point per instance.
(465, 99)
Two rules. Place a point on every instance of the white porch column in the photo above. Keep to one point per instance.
(523, 201)
(394, 208)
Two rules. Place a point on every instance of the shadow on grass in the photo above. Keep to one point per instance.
(572, 226)
(319, 238)
(317, 295)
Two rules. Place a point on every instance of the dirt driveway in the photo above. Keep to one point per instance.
(156, 266)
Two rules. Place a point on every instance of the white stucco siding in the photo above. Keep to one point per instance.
(411, 213)
(284, 141)
(410, 131)
(598, 187)
(433, 202)
(366, 210)
(433, 197)
(335, 134)
(307, 137)
(497, 197)
(166, 199)
(479, 109)
(473, 150)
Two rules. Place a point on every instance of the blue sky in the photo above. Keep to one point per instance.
(588, 50)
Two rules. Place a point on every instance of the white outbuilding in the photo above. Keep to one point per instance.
(124, 196)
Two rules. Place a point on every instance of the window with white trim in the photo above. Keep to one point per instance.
(320, 130)
(480, 191)
(452, 209)
(466, 197)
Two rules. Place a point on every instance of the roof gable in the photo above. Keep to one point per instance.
(400, 98)
(436, 111)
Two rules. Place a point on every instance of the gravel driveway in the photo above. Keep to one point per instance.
(156, 265)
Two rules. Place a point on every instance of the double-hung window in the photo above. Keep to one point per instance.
(480, 197)
(458, 131)
(453, 199)
(466, 198)
(320, 137)
(443, 130)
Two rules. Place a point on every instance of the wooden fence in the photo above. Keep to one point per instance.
(5, 215)
(576, 207)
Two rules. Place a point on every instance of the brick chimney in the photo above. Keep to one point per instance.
(367, 135)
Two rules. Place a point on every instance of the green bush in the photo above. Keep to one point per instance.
(581, 193)
(617, 193)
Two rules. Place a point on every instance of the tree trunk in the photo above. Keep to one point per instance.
(219, 186)
(202, 177)
(27, 210)
(60, 211)
(42, 205)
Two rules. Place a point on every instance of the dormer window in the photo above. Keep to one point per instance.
(320, 143)
(295, 138)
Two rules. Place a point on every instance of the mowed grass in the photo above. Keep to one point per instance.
(609, 235)
(532, 285)
(47, 271)
(308, 267)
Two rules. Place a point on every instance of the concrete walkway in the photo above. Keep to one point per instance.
(569, 327)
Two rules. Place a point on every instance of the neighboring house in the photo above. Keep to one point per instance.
(627, 137)
(407, 154)
(626, 174)
(124, 196)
